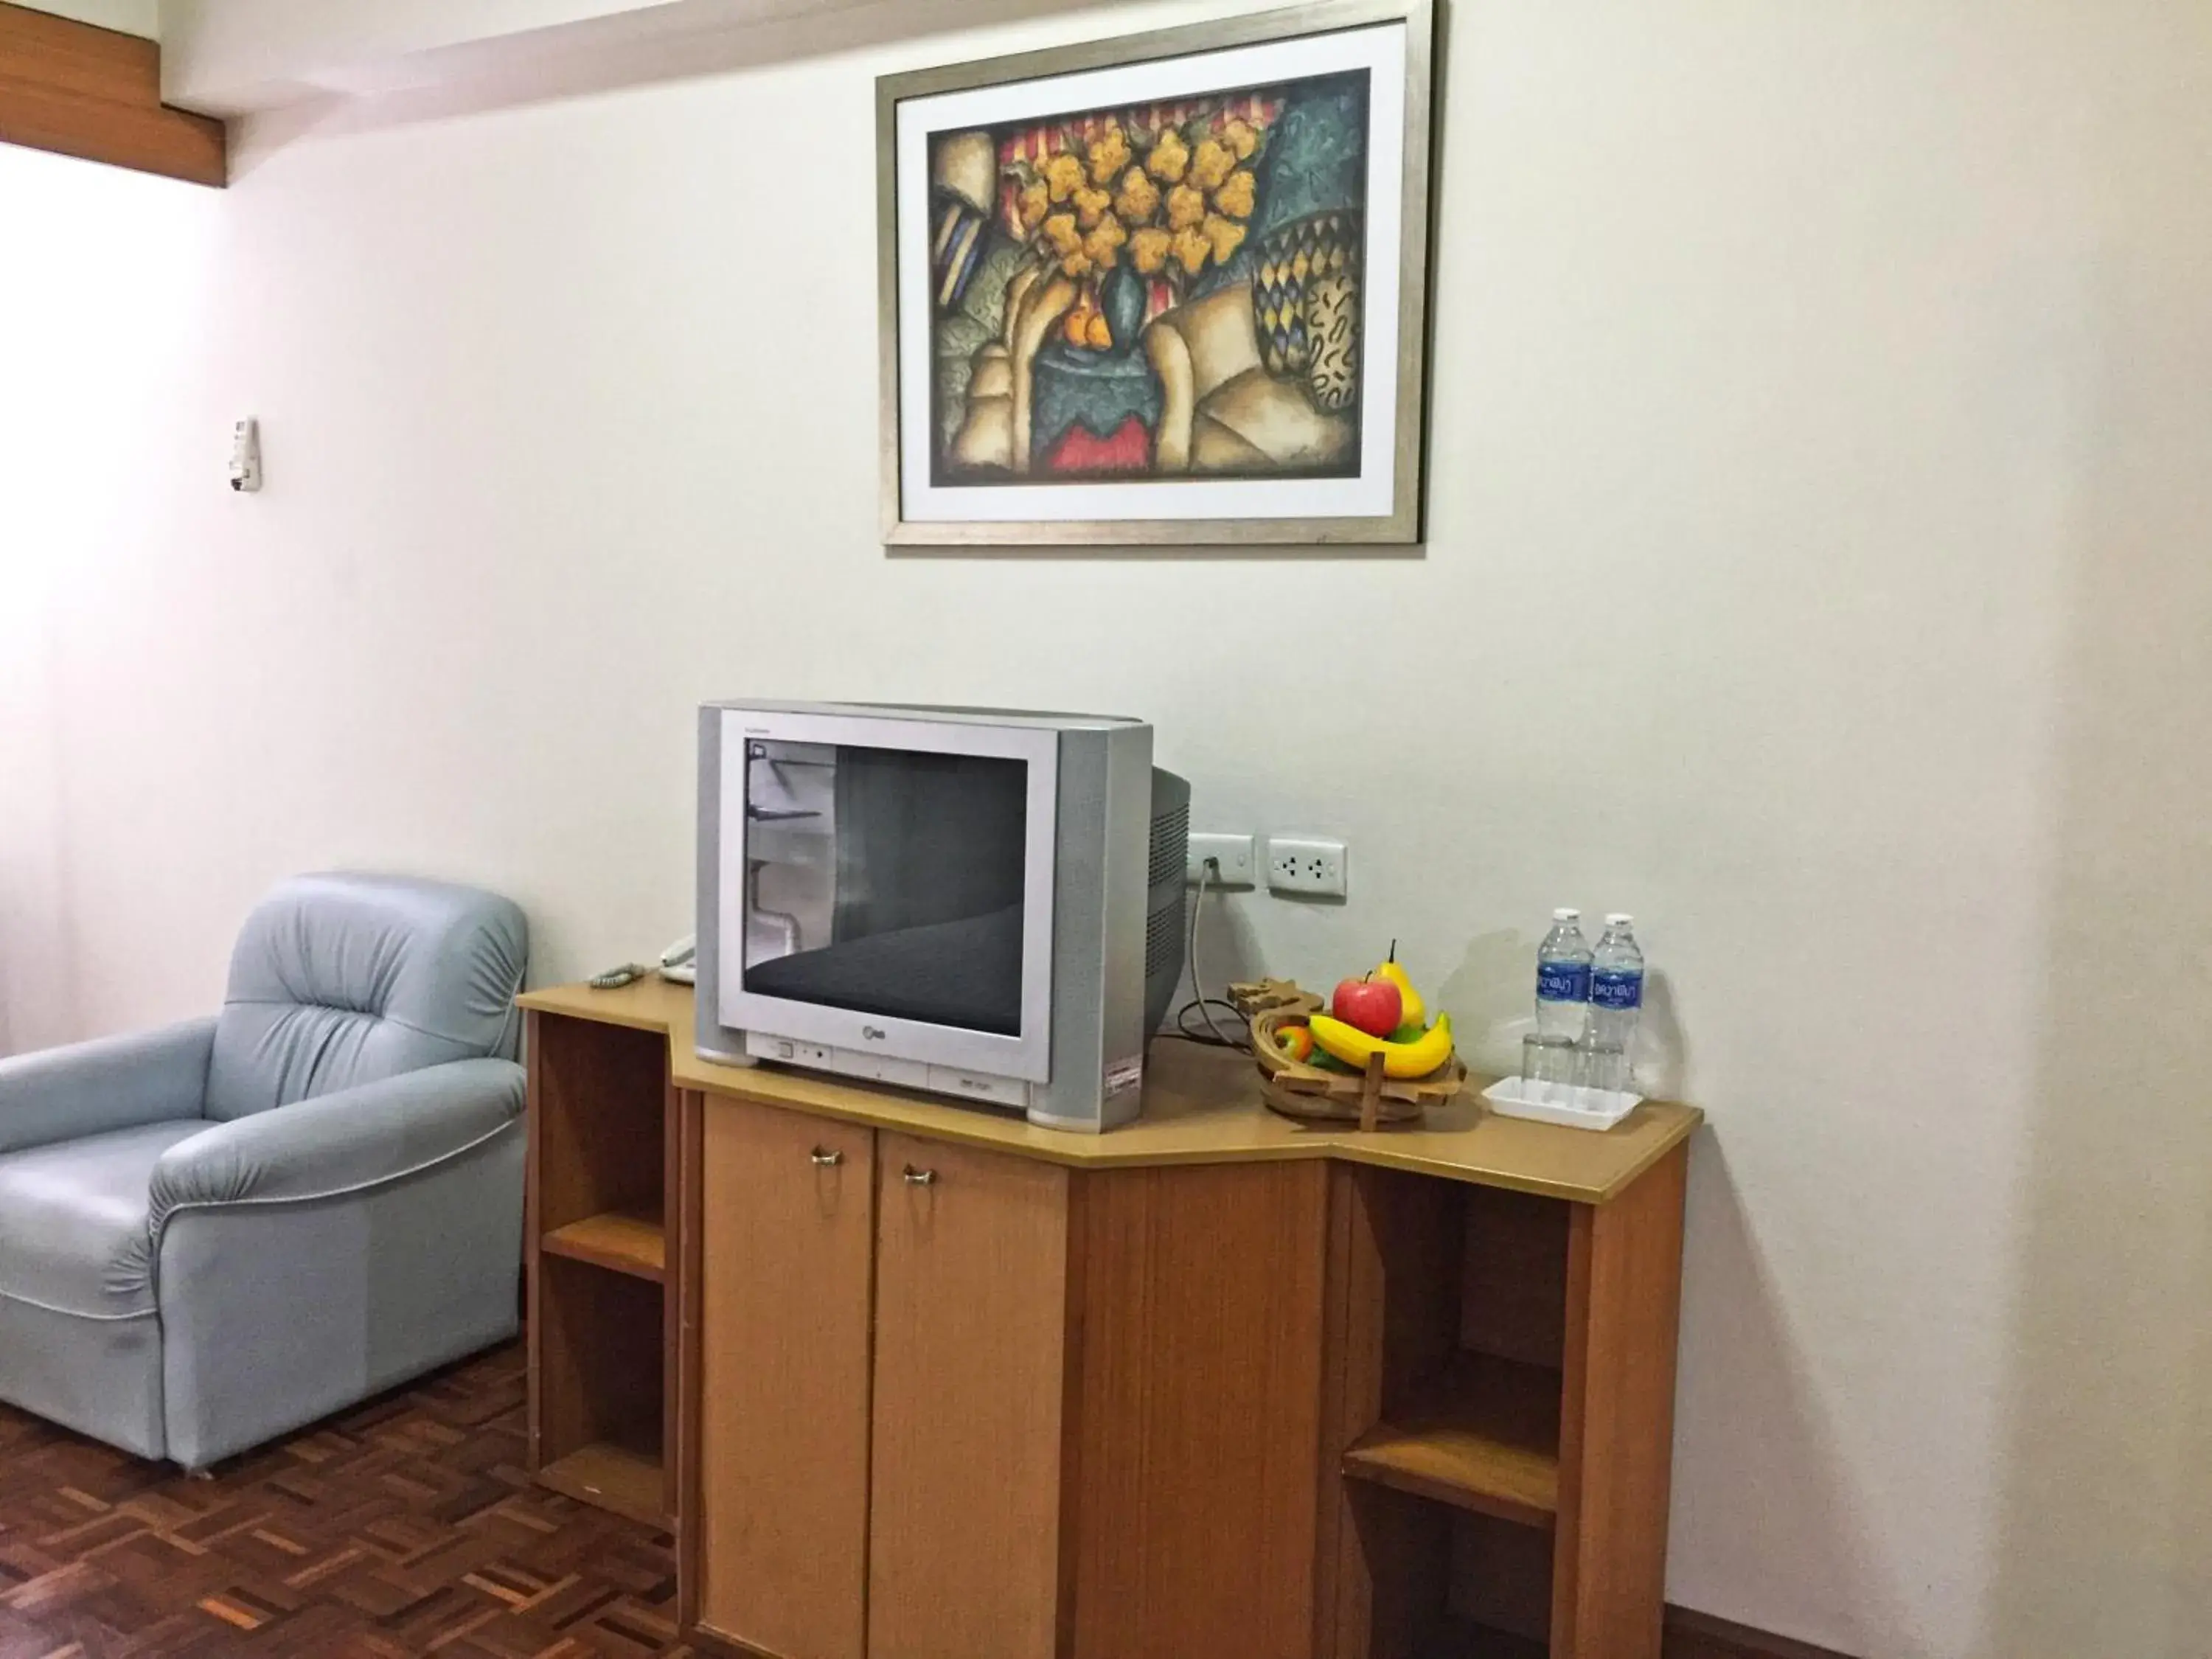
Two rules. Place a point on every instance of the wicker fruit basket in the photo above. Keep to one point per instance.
(1311, 1094)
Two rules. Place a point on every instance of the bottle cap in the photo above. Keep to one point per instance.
(1566, 912)
(1620, 919)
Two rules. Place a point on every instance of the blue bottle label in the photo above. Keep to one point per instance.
(1617, 990)
(1563, 982)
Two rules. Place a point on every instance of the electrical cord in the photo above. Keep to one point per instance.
(1205, 1004)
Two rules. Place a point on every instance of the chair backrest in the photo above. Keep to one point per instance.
(339, 980)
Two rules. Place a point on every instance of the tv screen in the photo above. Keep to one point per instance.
(886, 881)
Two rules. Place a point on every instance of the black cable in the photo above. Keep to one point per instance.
(1183, 1032)
(1204, 1005)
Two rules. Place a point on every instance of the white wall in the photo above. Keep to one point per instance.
(105, 297)
(1818, 567)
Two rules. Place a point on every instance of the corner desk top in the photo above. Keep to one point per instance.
(1201, 1105)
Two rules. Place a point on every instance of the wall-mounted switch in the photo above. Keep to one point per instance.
(246, 457)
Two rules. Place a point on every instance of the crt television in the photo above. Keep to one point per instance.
(987, 904)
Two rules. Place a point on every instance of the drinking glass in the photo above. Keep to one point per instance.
(1607, 1068)
(1549, 1065)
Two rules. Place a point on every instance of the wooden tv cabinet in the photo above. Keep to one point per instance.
(910, 1381)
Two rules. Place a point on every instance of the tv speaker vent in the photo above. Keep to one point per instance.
(1170, 847)
(1163, 938)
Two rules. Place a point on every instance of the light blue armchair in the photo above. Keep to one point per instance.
(213, 1234)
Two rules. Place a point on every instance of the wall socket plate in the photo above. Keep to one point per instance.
(1235, 855)
(1311, 865)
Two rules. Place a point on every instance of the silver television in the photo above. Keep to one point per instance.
(983, 904)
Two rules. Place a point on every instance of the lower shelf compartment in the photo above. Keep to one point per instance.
(626, 1480)
(1463, 1638)
(1484, 1437)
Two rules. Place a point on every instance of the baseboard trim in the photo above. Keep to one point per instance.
(1701, 1636)
(1689, 1636)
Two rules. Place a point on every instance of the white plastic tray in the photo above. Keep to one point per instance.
(1581, 1108)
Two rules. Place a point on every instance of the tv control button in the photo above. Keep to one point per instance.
(978, 1086)
(785, 1051)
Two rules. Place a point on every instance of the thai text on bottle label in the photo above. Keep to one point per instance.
(1564, 982)
(1617, 990)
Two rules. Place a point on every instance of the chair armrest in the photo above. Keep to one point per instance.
(340, 1143)
(109, 1083)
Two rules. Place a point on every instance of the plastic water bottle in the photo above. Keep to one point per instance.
(1616, 999)
(1563, 980)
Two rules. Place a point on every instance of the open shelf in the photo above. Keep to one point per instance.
(600, 1287)
(630, 1241)
(1448, 1583)
(1446, 1471)
(610, 1475)
(1485, 1435)
(1466, 1639)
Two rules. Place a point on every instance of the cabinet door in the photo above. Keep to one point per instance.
(786, 1236)
(971, 1310)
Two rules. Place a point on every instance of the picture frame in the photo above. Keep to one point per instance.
(1167, 289)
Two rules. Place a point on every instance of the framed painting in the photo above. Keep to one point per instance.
(1164, 289)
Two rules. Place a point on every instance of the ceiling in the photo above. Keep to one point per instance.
(130, 16)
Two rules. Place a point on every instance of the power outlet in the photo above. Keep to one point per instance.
(1234, 860)
(1312, 864)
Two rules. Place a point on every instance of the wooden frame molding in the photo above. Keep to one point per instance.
(96, 94)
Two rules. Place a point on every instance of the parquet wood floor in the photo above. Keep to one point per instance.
(404, 1527)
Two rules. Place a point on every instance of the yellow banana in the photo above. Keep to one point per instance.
(1352, 1046)
(1416, 1011)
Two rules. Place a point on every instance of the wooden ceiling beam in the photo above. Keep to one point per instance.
(78, 90)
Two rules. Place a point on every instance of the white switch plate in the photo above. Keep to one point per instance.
(1237, 856)
(1312, 864)
(245, 456)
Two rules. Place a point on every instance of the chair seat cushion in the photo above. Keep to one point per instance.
(73, 1221)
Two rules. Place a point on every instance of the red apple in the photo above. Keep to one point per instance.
(1372, 1005)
